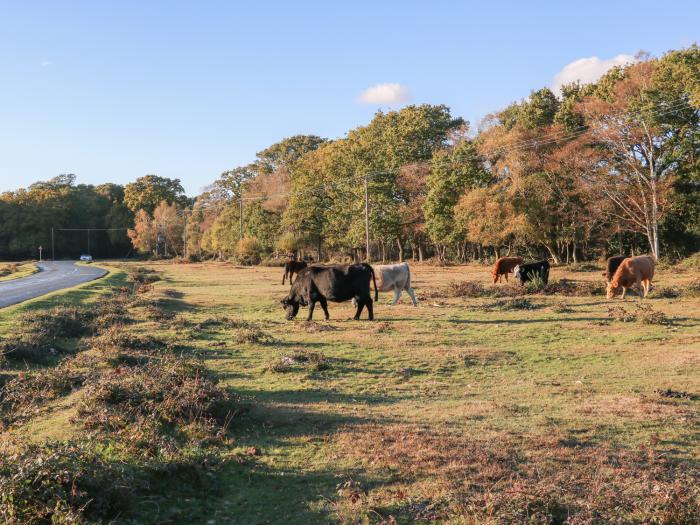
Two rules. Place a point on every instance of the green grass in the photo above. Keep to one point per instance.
(363, 437)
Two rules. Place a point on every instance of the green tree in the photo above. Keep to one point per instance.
(147, 192)
(452, 174)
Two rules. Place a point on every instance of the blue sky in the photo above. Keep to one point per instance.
(111, 91)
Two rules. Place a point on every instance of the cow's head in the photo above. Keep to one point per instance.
(494, 274)
(613, 289)
(291, 305)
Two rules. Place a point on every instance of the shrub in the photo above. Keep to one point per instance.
(8, 269)
(535, 284)
(466, 289)
(75, 483)
(165, 391)
(38, 334)
(26, 391)
(141, 275)
(249, 250)
(513, 303)
(584, 267)
(690, 263)
(574, 288)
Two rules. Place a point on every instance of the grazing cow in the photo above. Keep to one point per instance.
(634, 271)
(335, 283)
(291, 268)
(526, 272)
(395, 277)
(504, 266)
(611, 266)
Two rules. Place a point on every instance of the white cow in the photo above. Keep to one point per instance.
(395, 277)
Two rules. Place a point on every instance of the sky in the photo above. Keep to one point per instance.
(112, 91)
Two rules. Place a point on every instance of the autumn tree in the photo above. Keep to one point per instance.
(640, 131)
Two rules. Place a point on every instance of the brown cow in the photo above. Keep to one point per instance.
(611, 266)
(504, 266)
(634, 271)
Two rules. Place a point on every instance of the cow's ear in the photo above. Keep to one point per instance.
(285, 301)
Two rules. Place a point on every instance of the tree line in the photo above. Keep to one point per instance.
(603, 168)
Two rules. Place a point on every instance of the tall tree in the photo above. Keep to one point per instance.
(149, 191)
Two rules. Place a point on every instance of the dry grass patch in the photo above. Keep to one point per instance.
(498, 479)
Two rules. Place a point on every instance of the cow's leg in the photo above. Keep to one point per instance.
(412, 295)
(370, 310)
(360, 306)
(397, 294)
(312, 305)
(324, 305)
(624, 291)
(506, 276)
(284, 277)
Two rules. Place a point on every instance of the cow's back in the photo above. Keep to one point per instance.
(390, 276)
(632, 269)
(506, 264)
(339, 282)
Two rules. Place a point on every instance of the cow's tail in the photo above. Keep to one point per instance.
(374, 280)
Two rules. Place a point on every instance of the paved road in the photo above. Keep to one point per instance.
(53, 276)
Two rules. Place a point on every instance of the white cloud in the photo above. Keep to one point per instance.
(587, 70)
(45, 63)
(390, 93)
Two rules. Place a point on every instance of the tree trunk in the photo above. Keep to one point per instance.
(553, 254)
(420, 252)
(399, 244)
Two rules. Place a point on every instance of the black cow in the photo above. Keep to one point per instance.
(526, 272)
(291, 268)
(611, 266)
(335, 283)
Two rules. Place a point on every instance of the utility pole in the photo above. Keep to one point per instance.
(88, 232)
(53, 253)
(240, 213)
(369, 257)
(40, 248)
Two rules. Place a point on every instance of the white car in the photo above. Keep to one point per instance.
(86, 258)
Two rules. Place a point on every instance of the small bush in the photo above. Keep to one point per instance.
(535, 284)
(562, 308)
(647, 315)
(248, 250)
(165, 391)
(74, 483)
(252, 335)
(584, 267)
(690, 263)
(513, 303)
(314, 361)
(8, 269)
(20, 396)
(666, 292)
(142, 276)
(38, 334)
(568, 287)
(644, 314)
(692, 289)
(466, 289)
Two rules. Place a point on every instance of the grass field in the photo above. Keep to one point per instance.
(533, 409)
